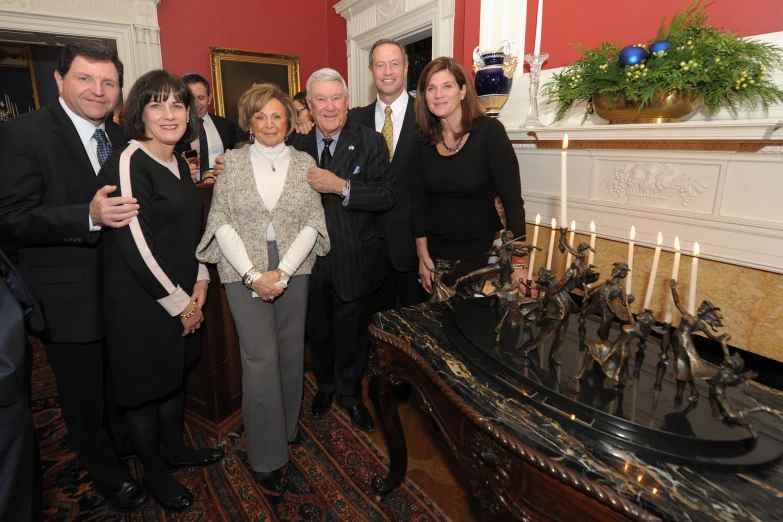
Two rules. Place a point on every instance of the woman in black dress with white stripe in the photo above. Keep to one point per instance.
(154, 288)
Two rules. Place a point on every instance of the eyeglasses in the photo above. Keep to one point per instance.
(300, 111)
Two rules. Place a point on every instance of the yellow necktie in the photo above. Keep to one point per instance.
(388, 132)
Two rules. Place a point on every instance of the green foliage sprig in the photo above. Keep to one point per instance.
(703, 60)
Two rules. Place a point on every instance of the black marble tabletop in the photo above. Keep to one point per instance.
(671, 491)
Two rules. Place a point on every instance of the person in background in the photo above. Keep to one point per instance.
(215, 133)
(265, 228)
(467, 159)
(302, 109)
(154, 288)
(53, 212)
(356, 183)
(20, 466)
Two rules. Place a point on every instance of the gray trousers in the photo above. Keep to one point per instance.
(271, 340)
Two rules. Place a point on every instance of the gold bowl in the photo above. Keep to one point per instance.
(662, 108)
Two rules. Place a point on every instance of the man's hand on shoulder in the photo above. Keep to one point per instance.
(304, 128)
(112, 212)
(324, 181)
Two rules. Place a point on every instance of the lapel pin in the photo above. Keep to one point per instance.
(350, 147)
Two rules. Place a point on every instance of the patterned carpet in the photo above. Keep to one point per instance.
(327, 479)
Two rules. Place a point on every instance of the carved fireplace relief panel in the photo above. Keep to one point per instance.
(684, 187)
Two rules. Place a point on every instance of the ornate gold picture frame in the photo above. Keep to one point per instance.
(233, 71)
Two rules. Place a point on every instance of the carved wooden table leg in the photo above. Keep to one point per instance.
(385, 403)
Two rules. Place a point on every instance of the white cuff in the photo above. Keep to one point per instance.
(203, 273)
(176, 302)
(93, 228)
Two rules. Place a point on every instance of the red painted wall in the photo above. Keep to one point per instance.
(310, 30)
(467, 14)
(590, 23)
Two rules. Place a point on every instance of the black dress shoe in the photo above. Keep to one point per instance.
(298, 440)
(215, 454)
(322, 403)
(180, 503)
(127, 498)
(402, 390)
(270, 481)
(361, 417)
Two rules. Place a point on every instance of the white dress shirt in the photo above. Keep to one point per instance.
(86, 131)
(216, 147)
(398, 106)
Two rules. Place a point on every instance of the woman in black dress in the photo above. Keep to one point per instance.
(467, 159)
(154, 288)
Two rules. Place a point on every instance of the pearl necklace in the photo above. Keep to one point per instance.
(456, 147)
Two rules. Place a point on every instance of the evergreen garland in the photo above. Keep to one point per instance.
(706, 61)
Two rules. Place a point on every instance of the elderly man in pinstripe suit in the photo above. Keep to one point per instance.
(356, 182)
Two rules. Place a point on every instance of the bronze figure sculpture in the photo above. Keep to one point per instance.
(504, 265)
(614, 357)
(555, 297)
(731, 373)
(609, 301)
(441, 292)
(688, 365)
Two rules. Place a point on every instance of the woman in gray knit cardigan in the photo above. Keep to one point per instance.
(265, 227)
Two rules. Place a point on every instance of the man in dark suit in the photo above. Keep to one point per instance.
(216, 134)
(388, 68)
(51, 213)
(356, 183)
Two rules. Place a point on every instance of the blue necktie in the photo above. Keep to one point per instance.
(104, 146)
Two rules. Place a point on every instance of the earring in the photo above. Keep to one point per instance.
(251, 138)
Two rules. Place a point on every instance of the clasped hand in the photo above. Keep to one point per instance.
(193, 323)
(265, 285)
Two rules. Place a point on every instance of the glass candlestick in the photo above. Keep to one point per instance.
(536, 61)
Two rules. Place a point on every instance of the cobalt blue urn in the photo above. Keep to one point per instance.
(494, 73)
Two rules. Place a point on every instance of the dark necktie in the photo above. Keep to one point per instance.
(104, 146)
(203, 149)
(326, 154)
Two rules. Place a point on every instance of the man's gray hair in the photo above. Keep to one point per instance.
(325, 75)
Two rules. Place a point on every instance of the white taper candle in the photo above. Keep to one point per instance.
(653, 273)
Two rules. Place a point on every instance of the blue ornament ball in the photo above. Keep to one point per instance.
(632, 55)
(660, 46)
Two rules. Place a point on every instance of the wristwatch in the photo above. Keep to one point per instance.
(283, 275)
(347, 188)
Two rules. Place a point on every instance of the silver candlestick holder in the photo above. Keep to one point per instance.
(536, 61)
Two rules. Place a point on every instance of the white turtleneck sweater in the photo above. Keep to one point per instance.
(270, 185)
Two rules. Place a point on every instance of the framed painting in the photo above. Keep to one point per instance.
(234, 70)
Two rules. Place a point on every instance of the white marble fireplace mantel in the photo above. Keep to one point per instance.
(723, 130)
(730, 202)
